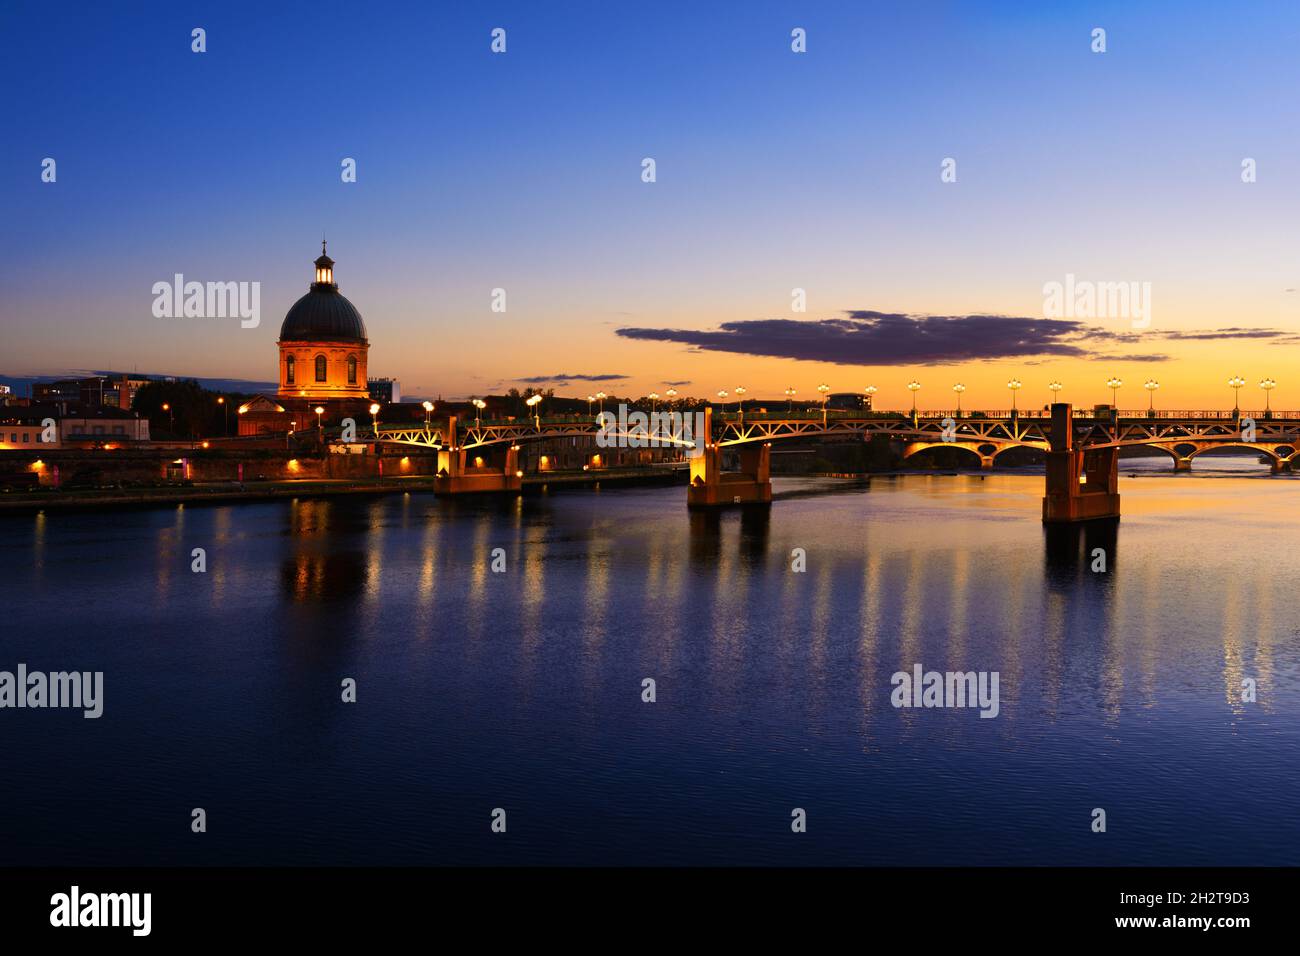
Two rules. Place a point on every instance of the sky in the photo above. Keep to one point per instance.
(775, 171)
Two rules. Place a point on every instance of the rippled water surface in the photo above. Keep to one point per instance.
(523, 689)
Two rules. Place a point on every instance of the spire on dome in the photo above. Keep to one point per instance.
(324, 270)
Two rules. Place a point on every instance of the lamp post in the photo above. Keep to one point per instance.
(590, 399)
(1235, 384)
(825, 392)
(1014, 385)
(740, 402)
(428, 409)
(654, 397)
(479, 405)
(912, 387)
(1114, 386)
(225, 415)
(871, 396)
(1151, 385)
(671, 394)
(722, 398)
(320, 431)
(1056, 392)
(959, 388)
(374, 418)
(171, 418)
(789, 399)
(1267, 385)
(600, 397)
(535, 402)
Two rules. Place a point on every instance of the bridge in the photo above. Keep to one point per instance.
(1081, 452)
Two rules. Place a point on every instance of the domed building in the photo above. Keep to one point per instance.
(323, 351)
(323, 342)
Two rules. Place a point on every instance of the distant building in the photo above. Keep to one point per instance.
(385, 390)
(95, 425)
(848, 401)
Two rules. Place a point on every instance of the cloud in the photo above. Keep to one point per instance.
(867, 337)
(539, 379)
(675, 384)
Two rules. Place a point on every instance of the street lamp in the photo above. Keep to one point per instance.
(320, 432)
(825, 392)
(374, 418)
(959, 388)
(740, 402)
(654, 397)
(428, 408)
(1267, 385)
(1151, 385)
(871, 396)
(1056, 391)
(533, 402)
(912, 387)
(1014, 385)
(171, 418)
(1235, 384)
(789, 399)
(590, 399)
(722, 397)
(225, 415)
(600, 397)
(671, 393)
(479, 405)
(1114, 386)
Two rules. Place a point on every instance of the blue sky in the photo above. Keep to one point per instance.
(522, 171)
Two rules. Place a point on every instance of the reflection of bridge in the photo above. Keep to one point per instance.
(483, 455)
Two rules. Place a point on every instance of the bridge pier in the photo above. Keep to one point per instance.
(711, 487)
(1082, 484)
(490, 469)
(1182, 464)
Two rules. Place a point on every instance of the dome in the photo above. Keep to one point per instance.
(323, 314)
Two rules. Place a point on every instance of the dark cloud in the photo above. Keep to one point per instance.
(884, 338)
(539, 379)
(675, 384)
(866, 337)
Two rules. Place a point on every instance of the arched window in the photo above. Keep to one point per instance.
(352, 370)
(320, 368)
(288, 370)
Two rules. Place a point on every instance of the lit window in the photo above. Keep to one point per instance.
(352, 370)
(320, 368)
(288, 370)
